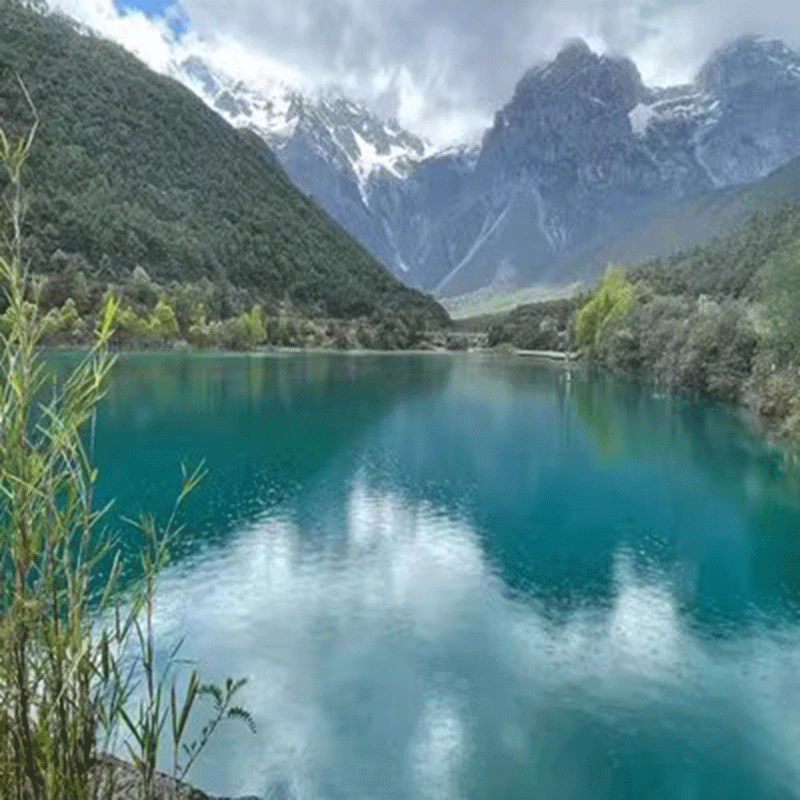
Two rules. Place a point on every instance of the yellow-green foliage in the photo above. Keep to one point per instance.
(132, 324)
(63, 323)
(254, 321)
(163, 321)
(611, 300)
(71, 322)
(247, 330)
(51, 323)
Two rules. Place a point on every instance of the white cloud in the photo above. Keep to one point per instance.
(442, 69)
(149, 39)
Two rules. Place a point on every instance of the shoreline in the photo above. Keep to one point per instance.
(502, 350)
(764, 426)
(126, 783)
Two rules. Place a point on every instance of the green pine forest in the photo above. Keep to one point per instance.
(136, 187)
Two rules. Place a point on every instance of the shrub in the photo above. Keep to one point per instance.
(364, 336)
(163, 322)
(133, 325)
(340, 339)
(64, 681)
(245, 331)
(200, 334)
(287, 331)
(71, 323)
(702, 345)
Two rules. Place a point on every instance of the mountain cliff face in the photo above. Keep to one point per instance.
(582, 146)
(329, 146)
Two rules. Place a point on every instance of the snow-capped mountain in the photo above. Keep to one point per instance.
(343, 130)
(581, 146)
(331, 147)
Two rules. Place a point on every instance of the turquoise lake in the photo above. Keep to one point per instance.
(466, 576)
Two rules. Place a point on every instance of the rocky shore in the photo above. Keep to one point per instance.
(125, 783)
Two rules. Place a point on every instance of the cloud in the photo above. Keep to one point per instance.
(150, 38)
(444, 68)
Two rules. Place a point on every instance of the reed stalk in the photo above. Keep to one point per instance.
(75, 648)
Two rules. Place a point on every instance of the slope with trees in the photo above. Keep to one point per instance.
(721, 319)
(130, 170)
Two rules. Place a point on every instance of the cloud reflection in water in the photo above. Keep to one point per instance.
(389, 661)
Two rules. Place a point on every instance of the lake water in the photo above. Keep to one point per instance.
(463, 576)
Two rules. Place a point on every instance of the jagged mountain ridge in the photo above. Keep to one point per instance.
(328, 145)
(346, 132)
(582, 144)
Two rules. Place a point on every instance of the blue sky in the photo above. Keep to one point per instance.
(173, 13)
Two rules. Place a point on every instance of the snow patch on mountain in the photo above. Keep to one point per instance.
(370, 159)
(640, 116)
(342, 129)
(465, 154)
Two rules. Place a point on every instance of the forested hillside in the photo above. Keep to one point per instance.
(730, 266)
(130, 169)
(722, 319)
(669, 230)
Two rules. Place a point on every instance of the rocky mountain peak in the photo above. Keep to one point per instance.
(579, 72)
(574, 55)
(580, 145)
(749, 61)
(576, 104)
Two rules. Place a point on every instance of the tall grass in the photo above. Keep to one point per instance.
(74, 649)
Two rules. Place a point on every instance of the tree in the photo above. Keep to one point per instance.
(782, 301)
(141, 291)
(256, 329)
(163, 322)
(200, 334)
(71, 323)
(247, 330)
(610, 302)
(133, 325)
